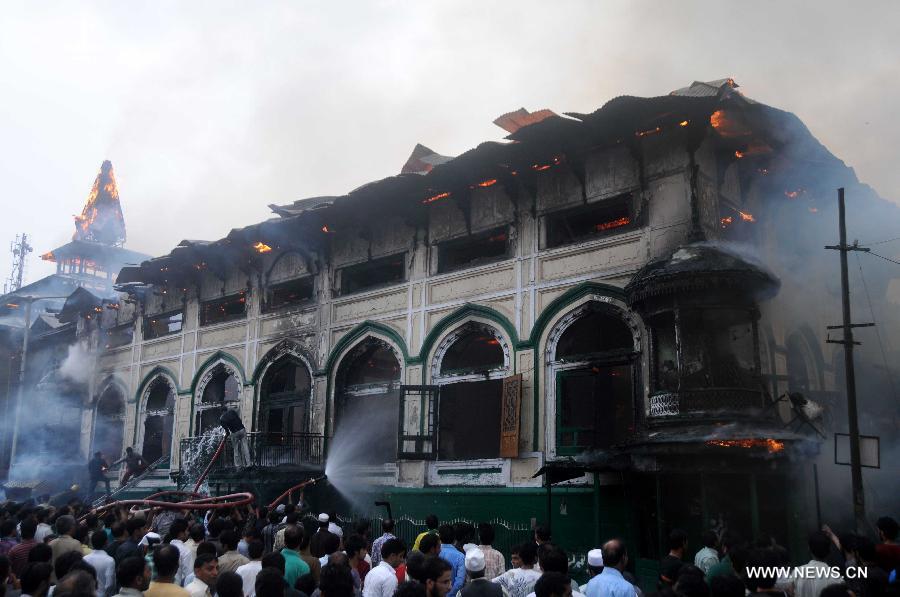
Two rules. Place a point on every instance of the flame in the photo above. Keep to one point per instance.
(794, 194)
(12, 305)
(101, 219)
(684, 123)
(261, 247)
(613, 224)
(738, 154)
(325, 229)
(648, 132)
(813, 210)
(556, 161)
(727, 127)
(771, 445)
(48, 256)
(437, 197)
(726, 221)
(747, 217)
(487, 183)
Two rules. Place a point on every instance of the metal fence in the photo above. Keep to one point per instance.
(267, 450)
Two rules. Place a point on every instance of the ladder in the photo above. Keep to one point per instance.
(131, 483)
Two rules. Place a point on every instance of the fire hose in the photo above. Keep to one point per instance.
(232, 500)
(209, 466)
(299, 486)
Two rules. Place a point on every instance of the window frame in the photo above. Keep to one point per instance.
(268, 307)
(461, 241)
(166, 315)
(340, 274)
(204, 305)
(630, 203)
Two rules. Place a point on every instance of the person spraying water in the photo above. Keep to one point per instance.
(234, 429)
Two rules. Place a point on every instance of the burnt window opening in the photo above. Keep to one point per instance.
(159, 419)
(368, 400)
(594, 363)
(291, 292)
(109, 425)
(473, 250)
(224, 309)
(665, 355)
(717, 347)
(121, 335)
(285, 393)
(157, 326)
(610, 216)
(471, 394)
(221, 392)
(597, 332)
(372, 274)
(476, 350)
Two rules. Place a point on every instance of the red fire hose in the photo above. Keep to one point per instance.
(211, 463)
(290, 491)
(231, 500)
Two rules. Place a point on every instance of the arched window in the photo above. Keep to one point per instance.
(285, 394)
(367, 399)
(109, 424)
(223, 389)
(592, 368)
(799, 378)
(159, 417)
(471, 363)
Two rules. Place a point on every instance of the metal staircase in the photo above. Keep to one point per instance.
(132, 482)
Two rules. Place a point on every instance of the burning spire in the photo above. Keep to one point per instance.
(101, 220)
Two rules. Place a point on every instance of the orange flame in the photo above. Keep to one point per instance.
(727, 127)
(614, 224)
(747, 217)
(738, 154)
(726, 221)
(648, 132)
(487, 183)
(684, 123)
(101, 219)
(325, 228)
(261, 247)
(794, 194)
(771, 445)
(437, 197)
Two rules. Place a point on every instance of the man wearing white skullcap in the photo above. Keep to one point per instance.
(478, 585)
(594, 566)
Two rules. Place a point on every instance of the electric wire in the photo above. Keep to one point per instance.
(883, 257)
(881, 242)
(887, 369)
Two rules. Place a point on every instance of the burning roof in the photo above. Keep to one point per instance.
(101, 220)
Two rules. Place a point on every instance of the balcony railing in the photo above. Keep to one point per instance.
(712, 402)
(267, 450)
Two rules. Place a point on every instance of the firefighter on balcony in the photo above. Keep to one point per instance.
(231, 423)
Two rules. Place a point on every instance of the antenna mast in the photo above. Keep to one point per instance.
(20, 250)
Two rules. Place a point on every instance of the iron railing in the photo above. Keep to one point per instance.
(267, 450)
(706, 401)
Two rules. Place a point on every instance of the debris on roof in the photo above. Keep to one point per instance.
(513, 121)
(422, 160)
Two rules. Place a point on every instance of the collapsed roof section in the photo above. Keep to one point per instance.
(537, 142)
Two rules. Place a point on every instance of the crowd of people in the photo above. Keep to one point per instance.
(71, 551)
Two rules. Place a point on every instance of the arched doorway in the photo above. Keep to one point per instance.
(159, 417)
(223, 389)
(469, 366)
(284, 397)
(592, 364)
(109, 424)
(367, 399)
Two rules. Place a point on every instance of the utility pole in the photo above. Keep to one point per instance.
(859, 503)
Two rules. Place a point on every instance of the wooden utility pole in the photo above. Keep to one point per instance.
(859, 503)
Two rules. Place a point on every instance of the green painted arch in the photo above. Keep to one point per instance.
(264, 361)
(562, 303)
(359, 332)
(460, 315)
(158, 371)
(215, 357)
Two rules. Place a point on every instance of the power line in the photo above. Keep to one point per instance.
(883, 257)
(887, 369)
(890, 240)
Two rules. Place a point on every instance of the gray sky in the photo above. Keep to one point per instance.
(210, 111)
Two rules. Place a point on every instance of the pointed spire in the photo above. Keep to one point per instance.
(101, 220)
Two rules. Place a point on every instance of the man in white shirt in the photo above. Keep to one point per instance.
(103, 564)
(179, 533)
(43, 529)
(381, 581)
(816, 574)
(249, 571)
(206, 571)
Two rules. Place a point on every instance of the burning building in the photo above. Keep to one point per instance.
(60, 312)
(598, 323)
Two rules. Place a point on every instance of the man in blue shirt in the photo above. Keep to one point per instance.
(610, 582)
(452, 556)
